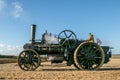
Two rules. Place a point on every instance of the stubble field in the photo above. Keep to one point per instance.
(48, 71)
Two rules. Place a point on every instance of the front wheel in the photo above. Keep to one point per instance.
(28, 60)
(88, 56)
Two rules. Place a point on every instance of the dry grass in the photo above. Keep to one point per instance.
(116, 56)
(7, 60)
(109, 71)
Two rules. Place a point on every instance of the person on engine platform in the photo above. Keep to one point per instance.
(90, 38)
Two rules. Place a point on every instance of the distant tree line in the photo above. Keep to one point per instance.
(8, 56)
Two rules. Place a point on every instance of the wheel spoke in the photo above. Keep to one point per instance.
(97, 50)
(64, 41)
(23, 67)
(70, 35)
(90, 47)
(35, 59)
(88, 66)
(68, 43)
(65, 34)
(83, 62)
(91, 64)
(33, 64)
(22, 60)
(27, 66)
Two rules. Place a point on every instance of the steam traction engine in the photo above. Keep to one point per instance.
(66, 47)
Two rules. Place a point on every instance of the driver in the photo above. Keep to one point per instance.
(90, 38)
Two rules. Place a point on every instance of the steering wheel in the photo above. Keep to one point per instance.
(67, 38)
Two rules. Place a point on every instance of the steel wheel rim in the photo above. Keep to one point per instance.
(89, 56)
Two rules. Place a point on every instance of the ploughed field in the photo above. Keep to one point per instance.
(48, 71)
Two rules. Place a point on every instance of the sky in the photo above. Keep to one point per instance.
(100, 17)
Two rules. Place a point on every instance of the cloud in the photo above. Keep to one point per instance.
(12, 9)
(2, 5)
(10, 49)
(17, 9)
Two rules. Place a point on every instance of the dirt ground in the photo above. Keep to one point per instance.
(109, 71)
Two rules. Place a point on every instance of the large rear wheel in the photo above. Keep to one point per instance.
(88, 56)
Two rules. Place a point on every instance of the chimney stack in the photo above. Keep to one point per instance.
(33, 31)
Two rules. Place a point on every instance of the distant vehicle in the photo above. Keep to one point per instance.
(83, 55)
